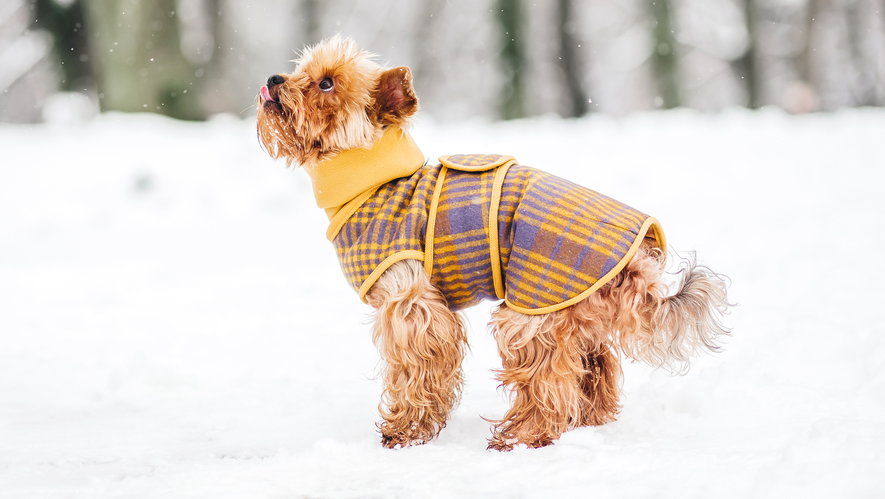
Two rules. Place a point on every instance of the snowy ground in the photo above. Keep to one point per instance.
(174, 324)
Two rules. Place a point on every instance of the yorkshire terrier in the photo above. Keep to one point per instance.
(581, 275)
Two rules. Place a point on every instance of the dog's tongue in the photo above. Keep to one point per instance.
(265, 93)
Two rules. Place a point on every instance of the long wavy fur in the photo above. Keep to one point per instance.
(563, 367)
(662, 329)
(422, 342)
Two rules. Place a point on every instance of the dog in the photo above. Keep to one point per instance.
(581, 275)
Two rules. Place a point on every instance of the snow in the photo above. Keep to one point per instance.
(174, 323)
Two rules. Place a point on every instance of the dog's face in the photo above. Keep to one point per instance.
(337, 98)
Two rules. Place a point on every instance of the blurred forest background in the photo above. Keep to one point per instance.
(497, 59)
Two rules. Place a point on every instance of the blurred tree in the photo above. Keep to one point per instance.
(664, 59)
(746, 66)
(861, 14)
(423, 54)
(141, 67)
(64, 21)
(501, 58)
(509, 16)
(28, 72)
(215, 77)
(309, 11)
(577, 99)
(803, 95)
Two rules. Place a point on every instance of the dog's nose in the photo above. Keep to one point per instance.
(274, 80)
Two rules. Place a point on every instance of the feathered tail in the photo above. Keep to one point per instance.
(665, 331)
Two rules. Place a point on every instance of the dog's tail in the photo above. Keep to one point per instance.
(665, 331)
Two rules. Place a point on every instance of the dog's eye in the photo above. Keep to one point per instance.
(326, 84)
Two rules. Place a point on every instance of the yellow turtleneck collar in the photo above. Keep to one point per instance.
(343, 182)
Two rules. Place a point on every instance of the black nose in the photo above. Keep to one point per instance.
(275, 80)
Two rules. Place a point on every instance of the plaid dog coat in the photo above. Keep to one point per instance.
(484, 227)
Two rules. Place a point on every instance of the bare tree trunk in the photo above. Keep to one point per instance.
(863, 87)
(64, 21)
(216, 92)
(746, 66)
(310, 18)
(509, 16)
(27, 68)
(142, 67)
(805, 96)
(880, 75)
(216, 25)
(664, 59)
(424, 60)
(577, 99)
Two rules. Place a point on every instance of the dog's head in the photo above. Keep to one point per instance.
(337, 98)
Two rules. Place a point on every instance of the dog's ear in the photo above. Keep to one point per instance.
(395, 98)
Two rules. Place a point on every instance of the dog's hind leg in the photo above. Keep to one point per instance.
(601, 385)
(543, 359)
(422, 343)
(590, 321)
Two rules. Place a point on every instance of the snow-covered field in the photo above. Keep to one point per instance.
(174, 324)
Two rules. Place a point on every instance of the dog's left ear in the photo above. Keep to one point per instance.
(395, 98)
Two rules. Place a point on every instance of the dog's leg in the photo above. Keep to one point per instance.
(601, 385)
(600, 376)
(422, 342)
(543, 360)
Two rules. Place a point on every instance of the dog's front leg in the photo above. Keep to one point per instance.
(422, 342)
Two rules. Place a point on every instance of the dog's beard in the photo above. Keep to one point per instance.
(304, 139)
(275, 133)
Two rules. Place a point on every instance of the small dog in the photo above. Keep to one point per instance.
(580, 274)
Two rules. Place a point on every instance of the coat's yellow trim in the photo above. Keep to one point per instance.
(430, 231)
(494, 250)
(343, 214)
(650, 224)
(658, 234)
(384, 265)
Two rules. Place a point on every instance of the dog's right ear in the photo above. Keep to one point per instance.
(395, 98)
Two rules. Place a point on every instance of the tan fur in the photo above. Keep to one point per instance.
(423, 343)
(307, 124)
(562, 368)
(394, 97)
(557, 369)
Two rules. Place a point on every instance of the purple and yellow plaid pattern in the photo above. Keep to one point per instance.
(556, 241)
(392, 221)
(462, 264)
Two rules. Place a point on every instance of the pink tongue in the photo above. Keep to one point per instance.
(265, 93)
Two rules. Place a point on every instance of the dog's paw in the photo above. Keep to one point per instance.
(501, 444)
(504, 444)
(396, 435)
(400, 441)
